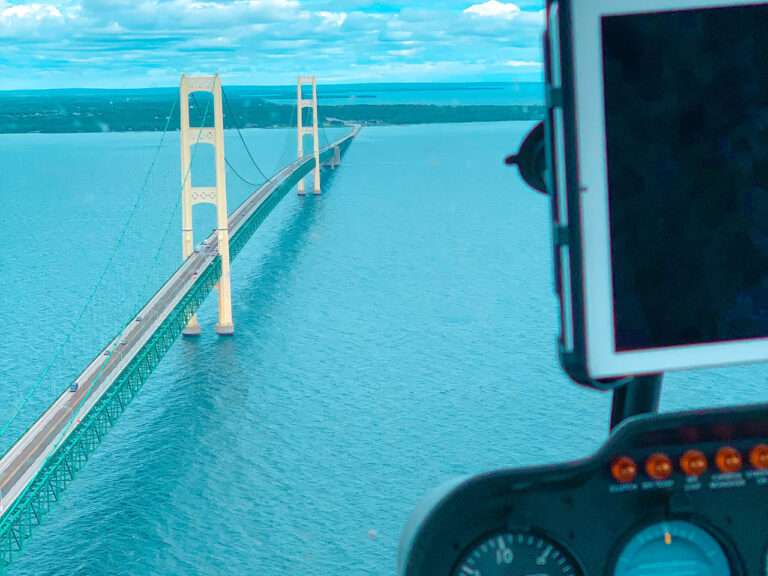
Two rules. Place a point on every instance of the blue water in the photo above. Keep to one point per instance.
(394, 332)
(446, 94)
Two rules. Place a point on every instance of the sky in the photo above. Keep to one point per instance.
(149, 43)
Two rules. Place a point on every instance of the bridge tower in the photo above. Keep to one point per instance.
(300, 105)
(216, 195)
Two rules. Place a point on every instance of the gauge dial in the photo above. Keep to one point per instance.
(516, 554)
(673, 548)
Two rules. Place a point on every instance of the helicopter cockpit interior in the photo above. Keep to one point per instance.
(654, 155)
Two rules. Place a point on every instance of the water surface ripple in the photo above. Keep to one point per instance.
(394, 332)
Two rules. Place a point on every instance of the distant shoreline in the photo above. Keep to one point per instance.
(60, 112)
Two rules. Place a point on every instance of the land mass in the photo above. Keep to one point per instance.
(64, 111)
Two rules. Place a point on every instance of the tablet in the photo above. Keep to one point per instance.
(658, 133)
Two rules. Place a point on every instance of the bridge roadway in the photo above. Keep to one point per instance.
(21, 463)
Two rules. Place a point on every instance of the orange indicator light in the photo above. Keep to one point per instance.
(658, 466)
(667, 538)
(758, 457)
(728, 460)
(693, 463)
(624, 469)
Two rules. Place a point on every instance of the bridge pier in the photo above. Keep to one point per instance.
(216, 195)
(225, 330)
(187, 243)
(335, 160)
(224, 327)
(192, 329)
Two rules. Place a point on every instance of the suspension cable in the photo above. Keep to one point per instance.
(287, 144)
(234, 119)
(240, 176)
(197, 107)
(154, 261)
(327, 140)
(106, 269)
(64, 433)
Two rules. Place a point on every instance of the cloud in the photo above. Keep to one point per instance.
(494, 9)
(30, 25)
(403, 52)
(335, 18)
(191, 15)
(523, 64)
(29, 12)
(122, 43)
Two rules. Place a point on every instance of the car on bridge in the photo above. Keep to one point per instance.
(73, 386)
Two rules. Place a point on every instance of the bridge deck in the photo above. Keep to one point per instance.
(22, 463)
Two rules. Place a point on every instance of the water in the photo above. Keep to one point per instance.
(394, 332)
(449, 93)
(439, 93)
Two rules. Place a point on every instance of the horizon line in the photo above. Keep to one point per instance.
(496, 82)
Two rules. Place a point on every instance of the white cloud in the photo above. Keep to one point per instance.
(403, 52)
(335, 18)
(494, 9)
(523, 63)
(29, 12)
(108, 43)
(537, 18)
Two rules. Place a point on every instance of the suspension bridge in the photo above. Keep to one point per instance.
(61, 420)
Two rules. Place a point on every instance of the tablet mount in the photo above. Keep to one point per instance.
(632, 395)
(531, 159)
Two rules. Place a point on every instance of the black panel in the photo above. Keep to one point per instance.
(686, 98)
(582, 508)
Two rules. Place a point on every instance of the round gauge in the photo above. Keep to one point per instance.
(514, 554)
(672, 547)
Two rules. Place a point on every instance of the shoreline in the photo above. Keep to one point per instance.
(46, 115)
(232, 129)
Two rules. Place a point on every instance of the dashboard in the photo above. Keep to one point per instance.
(675, 494)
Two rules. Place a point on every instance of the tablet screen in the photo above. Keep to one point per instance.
(686, 102)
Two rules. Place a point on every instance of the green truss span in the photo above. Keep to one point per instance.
(28, 511)
(63, 465)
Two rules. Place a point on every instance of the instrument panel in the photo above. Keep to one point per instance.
(676, 494)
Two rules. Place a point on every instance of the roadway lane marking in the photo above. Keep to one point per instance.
(33, 450)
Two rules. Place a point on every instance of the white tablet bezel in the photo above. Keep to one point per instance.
(602, 359)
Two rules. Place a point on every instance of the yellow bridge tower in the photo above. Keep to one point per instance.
(300, 105)
(216, 195)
